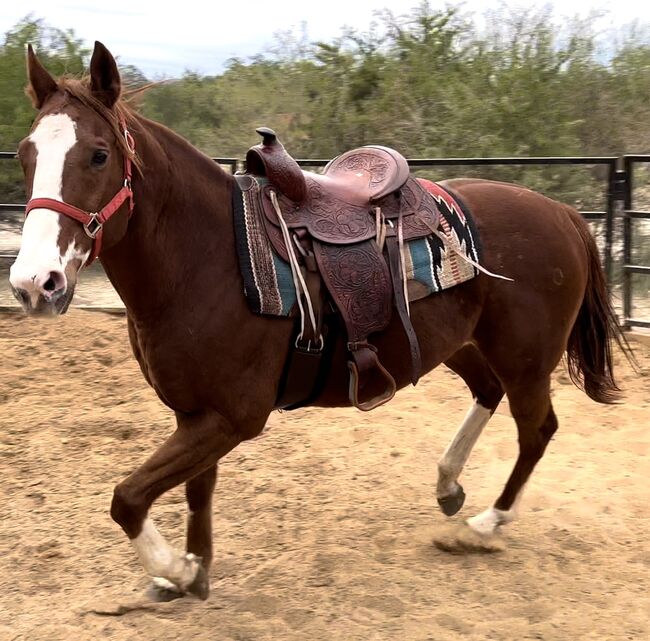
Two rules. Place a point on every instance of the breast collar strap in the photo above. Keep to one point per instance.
(93, 223)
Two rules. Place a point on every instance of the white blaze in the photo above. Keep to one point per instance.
(54, 136)
(39, 253)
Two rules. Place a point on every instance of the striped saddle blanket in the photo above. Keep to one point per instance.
(433, 263)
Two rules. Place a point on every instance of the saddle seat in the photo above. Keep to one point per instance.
(358, 177)
(344, 230)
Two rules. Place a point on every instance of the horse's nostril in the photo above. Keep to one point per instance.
(54, 282)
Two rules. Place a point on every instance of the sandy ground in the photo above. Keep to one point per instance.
(323, 525)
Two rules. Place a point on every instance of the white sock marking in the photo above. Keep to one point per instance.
(487, 521)
(455, 456)
(161, 560)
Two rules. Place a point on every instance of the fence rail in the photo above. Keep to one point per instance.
(618, 190)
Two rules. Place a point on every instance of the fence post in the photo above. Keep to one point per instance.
(613, 194)
(628, 188)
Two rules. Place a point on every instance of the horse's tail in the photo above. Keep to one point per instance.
(589, 350)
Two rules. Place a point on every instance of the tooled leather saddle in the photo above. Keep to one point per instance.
(343, 232)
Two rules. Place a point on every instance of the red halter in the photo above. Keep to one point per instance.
(93, 223)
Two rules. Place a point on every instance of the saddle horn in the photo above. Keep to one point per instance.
(268, 136)
(271, 160)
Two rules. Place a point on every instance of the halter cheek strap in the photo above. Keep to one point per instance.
(93, 223)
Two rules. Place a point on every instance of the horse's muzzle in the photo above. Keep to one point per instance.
(53, 305)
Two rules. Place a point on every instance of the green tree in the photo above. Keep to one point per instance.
(61, 52)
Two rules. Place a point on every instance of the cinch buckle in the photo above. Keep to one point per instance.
(93, 226)
(317, 346)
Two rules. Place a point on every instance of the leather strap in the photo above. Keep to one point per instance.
(312, 337)
(395, 262)
(300, 377)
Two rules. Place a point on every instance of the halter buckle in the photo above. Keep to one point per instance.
(93, 226)
(128, 138)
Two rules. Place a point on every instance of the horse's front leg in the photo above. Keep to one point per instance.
(190, 454)
(198, 492)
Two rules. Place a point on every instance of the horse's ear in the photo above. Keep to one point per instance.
(41, 84)
(105, 82)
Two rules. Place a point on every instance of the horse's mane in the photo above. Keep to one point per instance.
(121, 111)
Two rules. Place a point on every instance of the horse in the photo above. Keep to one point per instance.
(168, 248)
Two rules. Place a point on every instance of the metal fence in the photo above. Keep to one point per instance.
(630, 215)
(618, 189)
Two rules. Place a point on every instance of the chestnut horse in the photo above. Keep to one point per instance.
(218, 366)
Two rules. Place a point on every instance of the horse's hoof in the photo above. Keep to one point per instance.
(460, 538)
(200, 587)
(451, 503)
(161, 590)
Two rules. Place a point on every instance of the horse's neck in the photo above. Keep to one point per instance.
(181, 231)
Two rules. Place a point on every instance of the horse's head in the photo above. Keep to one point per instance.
(77, 165)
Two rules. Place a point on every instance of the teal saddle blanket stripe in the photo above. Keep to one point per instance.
(431, 265)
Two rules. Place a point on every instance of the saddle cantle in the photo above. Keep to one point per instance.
(344, 231)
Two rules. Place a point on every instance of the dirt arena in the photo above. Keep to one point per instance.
(324, 524)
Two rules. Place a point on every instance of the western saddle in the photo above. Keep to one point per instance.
(345, 230)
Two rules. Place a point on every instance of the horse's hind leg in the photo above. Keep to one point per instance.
(486, 389)
(530, 405)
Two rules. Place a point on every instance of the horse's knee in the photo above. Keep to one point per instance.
(128, 510)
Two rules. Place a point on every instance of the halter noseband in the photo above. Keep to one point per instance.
(93, 223)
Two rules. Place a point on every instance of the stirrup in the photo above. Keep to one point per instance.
(370, 367)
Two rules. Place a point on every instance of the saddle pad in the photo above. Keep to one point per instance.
(431, 265)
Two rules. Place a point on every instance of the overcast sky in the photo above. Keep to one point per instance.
(166, 39)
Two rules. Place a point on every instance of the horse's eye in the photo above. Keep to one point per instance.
(99, 157)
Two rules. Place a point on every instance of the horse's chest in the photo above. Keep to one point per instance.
(165, 367)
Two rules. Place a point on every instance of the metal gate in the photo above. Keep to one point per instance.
(619, 216)
(633, 220)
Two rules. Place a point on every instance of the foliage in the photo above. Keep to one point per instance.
(61, 52)
(429, 83)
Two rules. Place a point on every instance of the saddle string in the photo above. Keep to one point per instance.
(298, 280)
(455, 247)
(380, 224)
